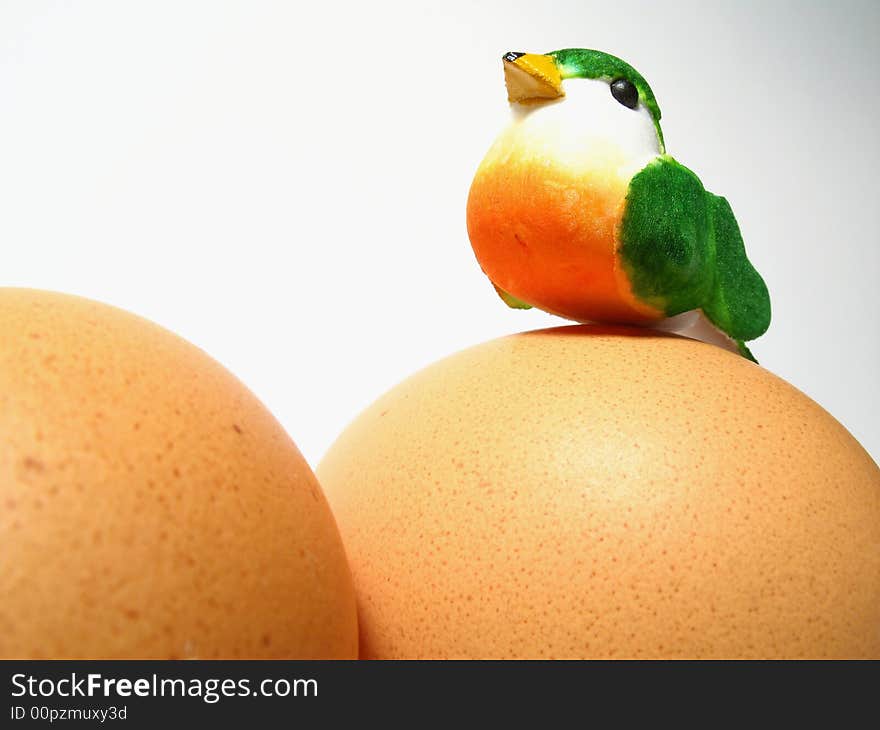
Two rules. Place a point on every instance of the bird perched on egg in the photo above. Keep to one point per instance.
(577, 492)
(578, 210)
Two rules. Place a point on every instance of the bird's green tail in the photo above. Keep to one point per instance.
(739, 303)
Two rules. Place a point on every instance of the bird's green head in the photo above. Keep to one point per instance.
(533, 77)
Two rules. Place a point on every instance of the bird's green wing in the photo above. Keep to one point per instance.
(664, 242)
(681, 249)
(739, 304)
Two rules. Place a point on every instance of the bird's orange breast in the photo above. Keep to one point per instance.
(545, 231)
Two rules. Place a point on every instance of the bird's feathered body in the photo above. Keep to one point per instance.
(577, 210)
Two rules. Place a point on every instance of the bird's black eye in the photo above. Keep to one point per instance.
(625, 92)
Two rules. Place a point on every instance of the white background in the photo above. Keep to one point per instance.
(284, 184)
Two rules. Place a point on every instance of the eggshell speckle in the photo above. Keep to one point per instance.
(606, 492)
(150, 506)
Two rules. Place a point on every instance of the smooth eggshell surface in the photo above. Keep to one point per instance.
(587, 492)
(150, 506)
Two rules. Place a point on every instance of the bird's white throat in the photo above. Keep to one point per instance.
(588, 129)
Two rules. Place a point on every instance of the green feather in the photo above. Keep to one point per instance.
(510, 300)
(745, 351)
(664, 237)
(740, 303)
(681, 249)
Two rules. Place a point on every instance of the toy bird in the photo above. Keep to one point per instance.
(578, 210)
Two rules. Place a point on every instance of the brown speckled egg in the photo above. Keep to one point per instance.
(150, 506)
(586, 492)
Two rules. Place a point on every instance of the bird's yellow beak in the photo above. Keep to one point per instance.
(531, 77)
